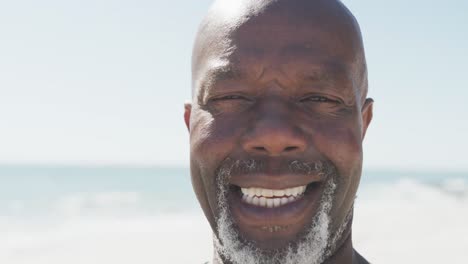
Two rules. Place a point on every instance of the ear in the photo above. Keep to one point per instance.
(187, 112)
(366, 113)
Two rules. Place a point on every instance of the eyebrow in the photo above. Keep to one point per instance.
(219, 74)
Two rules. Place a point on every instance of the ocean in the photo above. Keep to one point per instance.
(87, 215)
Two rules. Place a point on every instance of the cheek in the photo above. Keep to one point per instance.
(212, 140)
(342, 144)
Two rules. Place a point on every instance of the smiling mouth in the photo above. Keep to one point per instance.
(261, 199)
(271, 198)
(277, 209)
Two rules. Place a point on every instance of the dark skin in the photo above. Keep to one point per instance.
(279, 80)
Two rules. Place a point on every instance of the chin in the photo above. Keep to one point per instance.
(292, 233)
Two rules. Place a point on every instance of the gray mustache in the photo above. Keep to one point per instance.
(233, 167)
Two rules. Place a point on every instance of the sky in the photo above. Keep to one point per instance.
(104, 82)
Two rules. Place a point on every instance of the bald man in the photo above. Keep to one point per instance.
(278, 115)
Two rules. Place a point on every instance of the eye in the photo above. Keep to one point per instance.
(230, 97)
(318, 99)
(232, 103)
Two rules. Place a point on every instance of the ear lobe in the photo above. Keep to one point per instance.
(187, 112)
(367, 113)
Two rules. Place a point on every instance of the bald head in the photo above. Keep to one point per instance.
(224, 30)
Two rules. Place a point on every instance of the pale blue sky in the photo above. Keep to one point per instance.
(104, 82)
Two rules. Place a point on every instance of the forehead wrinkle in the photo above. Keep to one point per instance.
(328, 73)
(316, 76)
(305, 48)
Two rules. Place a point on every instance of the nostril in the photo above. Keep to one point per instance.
(262, 149)
(288, 149)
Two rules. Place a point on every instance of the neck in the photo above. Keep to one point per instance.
(343, 249)
(344, 254)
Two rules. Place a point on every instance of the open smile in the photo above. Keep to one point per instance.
(269, 209)
(271, 198)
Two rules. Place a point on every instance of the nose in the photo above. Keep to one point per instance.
(274, 135)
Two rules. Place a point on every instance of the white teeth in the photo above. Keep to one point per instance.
(297, 191)
(276, 202)
(269, 203)
(278, 193)
(255, 201)
(271, 198)
(284, 200)
(273, 193)
(267, 192)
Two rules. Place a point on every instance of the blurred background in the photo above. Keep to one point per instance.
(94, 151)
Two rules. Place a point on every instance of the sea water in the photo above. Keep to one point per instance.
(119, 215)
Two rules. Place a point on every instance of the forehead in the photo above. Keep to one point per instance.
(296, 58)
(286, 36)
(299, 47)
(241, 67)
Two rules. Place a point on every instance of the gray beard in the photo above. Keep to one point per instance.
(314, 247)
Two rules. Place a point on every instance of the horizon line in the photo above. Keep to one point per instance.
(179, 165)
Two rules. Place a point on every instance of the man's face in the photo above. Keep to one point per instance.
(276, 125)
